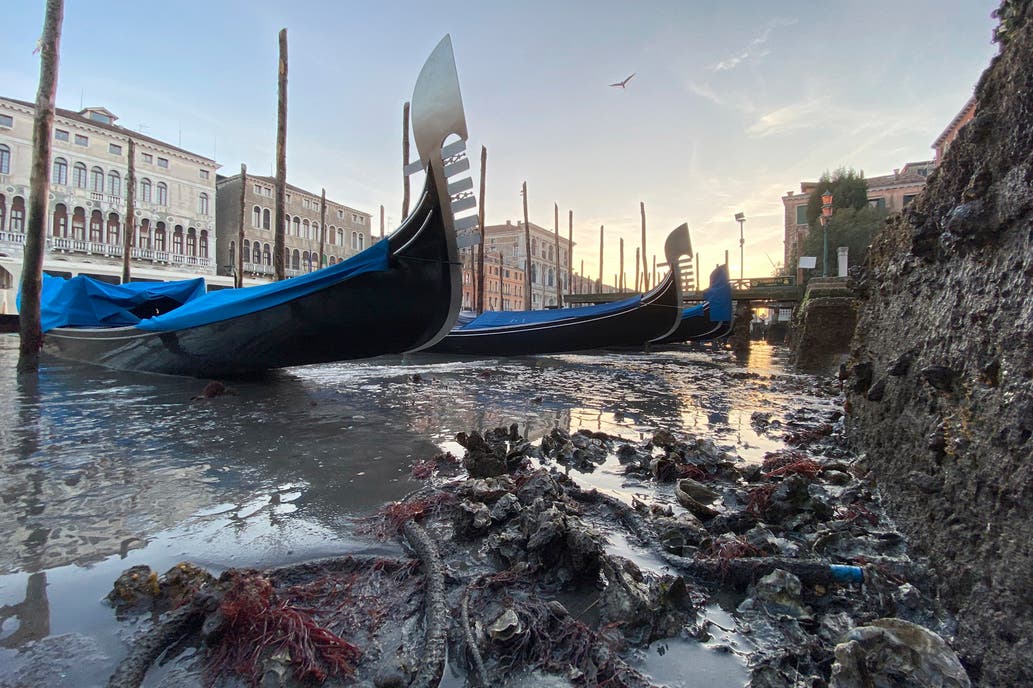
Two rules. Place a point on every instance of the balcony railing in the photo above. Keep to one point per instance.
(95, 248)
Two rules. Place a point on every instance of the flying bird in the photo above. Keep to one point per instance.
(624, 84)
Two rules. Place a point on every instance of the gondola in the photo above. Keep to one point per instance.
(399, 295)
(627, 323)
(711, 319)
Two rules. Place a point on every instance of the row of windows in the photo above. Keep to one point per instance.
(546, 249)
(98, 229)
(307, 203)
(261, 254)
(94, 180)
(261, 218)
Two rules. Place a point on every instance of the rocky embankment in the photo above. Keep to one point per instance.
(941, 386)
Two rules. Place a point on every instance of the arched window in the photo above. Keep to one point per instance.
(159, 237)
(340, 236)
(202, 244)
(79, 224)
(362, 241)
(145, 235)
(296, 260)
(145, 190)
(267, 255)
(96, 227)
(5, 159)
(552, 278)
(79, 175)
(191, 241)
(306, 229)
(113, 227)
(163, 194)
(202, 204)
(177, 239)
(60, 228)
(256, 253)
(233, 254)
(96, 180)
(17, 214)
(331, 234)
(534, 273)
(266, 217)
(297, 226)
(315, 230)
(60, 175)
(534, 247)
(550, 251)
(246, 252)
(114, 183)
(256, 217)
(306, 260)
(355, 241)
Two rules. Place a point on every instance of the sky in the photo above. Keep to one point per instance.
(732, 104)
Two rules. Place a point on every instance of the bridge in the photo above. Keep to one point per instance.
(782, 289)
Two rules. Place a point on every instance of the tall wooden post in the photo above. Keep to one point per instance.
(654, 268)
(599, 290)
(322, 227)
(696, 271)
(381, 220)
(620, 269)
(127, 238)
(527, 252)
(570, 251)
(645, 264)
(581, 278)
(238, 273)
(559, 278)
(405, 161)
(480, 284)
(30, 330)
(637, 266)
(280, 235)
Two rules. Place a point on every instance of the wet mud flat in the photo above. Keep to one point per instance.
(513, 570)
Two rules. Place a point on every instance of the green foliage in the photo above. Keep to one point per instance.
(849, 190)
(851, 227)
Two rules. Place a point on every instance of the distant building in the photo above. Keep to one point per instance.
(891, 191)
(503, 283)
(508, 241)
(174, 236)
(348, 231)
(944, 140)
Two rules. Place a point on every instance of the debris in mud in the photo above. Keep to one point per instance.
(800, 535)
(215, 389)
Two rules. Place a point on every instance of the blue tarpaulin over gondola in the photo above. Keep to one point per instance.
(507, 318)
(719, 295)
(83, 302)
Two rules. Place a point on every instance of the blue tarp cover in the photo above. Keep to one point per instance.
(719, 294)
(507, 318)
(90, 303)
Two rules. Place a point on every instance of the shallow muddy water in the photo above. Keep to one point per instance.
(101, 470)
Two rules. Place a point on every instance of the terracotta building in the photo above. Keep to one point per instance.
(503, 283)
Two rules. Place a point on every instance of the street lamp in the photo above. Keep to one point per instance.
(826, 214)
(740, 218)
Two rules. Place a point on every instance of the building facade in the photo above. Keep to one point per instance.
(945, 139)
(503, 283)
(174, 232)
(892, 192)
(347, 231)
(507, 241)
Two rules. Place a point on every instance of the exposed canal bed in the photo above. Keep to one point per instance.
(103, 470)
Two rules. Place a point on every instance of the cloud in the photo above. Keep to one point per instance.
(790, 118)
(754, 49)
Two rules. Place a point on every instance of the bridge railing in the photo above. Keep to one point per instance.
(761, 282)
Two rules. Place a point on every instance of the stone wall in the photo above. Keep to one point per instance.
(941, 391)
(823, 325)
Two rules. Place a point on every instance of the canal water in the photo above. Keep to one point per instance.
(102, 470)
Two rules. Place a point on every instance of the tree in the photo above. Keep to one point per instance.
(850, 227)
(849, 190)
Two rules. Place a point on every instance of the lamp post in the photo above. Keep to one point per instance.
(826, 214)
(740, 218)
